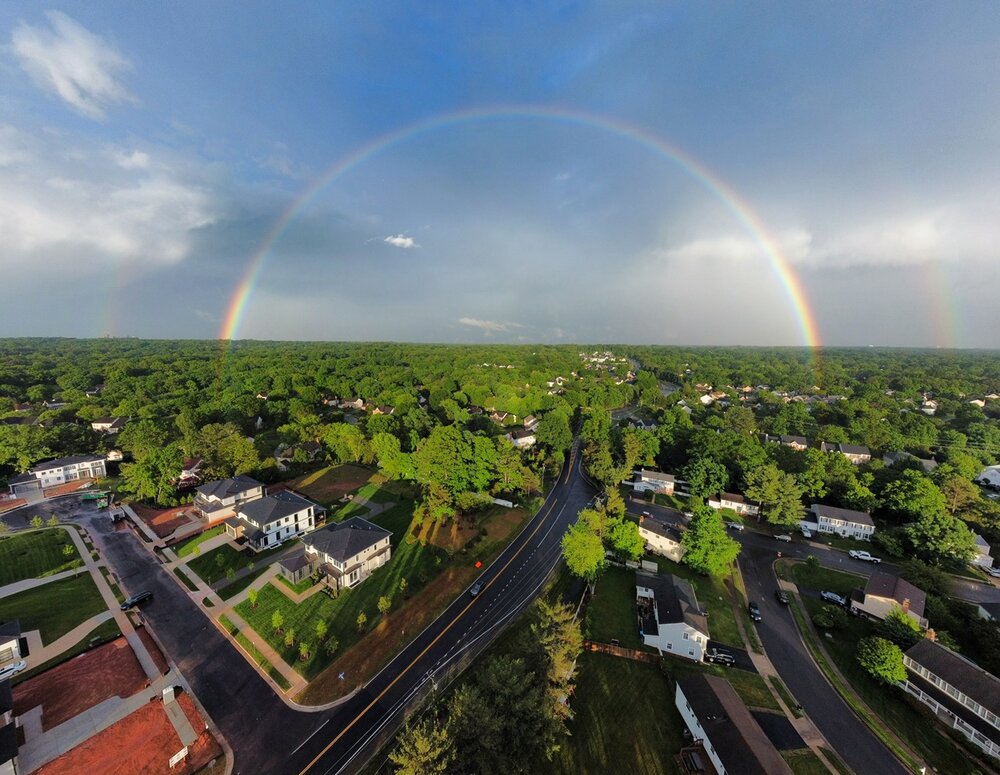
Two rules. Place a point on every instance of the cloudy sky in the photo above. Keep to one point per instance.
(575, 172)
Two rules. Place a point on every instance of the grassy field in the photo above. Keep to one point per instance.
(190, 545)
(804, 762)
(36, 554)
(611, 612)
(102, 633)
(232, 590)
(56, 608)
(820, 578)
(214, 565)
(750, 686)
(185, 580)
(625, 719)
(299, 588)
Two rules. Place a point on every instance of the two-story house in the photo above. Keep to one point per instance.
(843, 522)
(12, 646)
(345, 553)
(983, 558)
(961, 694)
(56, 472)
(856, 453)
(885, 593)
(218, 500)
(110, 425)
(669, 617)
(522, 439)
(735, 502)
(799, 443)
(654, 481)
(662, 535)
(271, 520)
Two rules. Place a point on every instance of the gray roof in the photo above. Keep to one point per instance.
(738, 740)
(61, 462)
(847, 515)
(228, 487)
(886, 585)
(271, 508)
(6, 698)
(8, 742)
(343, 540)
(661, 527)
(854, 449)
(795, 440)
(10, 629)
(966, 676)
(675, 600)
(645, 473)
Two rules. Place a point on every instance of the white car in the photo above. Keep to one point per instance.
(10, 670)
(806, 532)
(785, 538)
(859, 554)
(994, 572)
(735, 525)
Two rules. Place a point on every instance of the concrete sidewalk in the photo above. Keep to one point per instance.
(298, 683)
(25, 584)
(40, 653)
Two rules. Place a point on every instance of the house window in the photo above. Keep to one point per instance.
(670, 647)
(685, 636)
(690, 652)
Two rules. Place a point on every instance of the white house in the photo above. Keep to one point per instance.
(736, 502)
(842, 522)
(217, 500)
(960, 693)
(885, 593)
(661, 535)
(58, 471)
(799, 443)
(530, 422)
(990, 477)
(347, 552)
(110, 425)
(983, 558)
(724, 727)
(669, 617)
(522, 439)
(12, 646)
(269, 521)
(654, 481)
(856, 453)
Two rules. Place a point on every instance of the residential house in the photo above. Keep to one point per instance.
(961, 694)
(855, 453)
(219, 500)
(929, 407)
(28, 420)
(59, 471)
(799, 443)
(885, 593)
(22, 407)
(108, 425)
(114, 456)
(54, 404)
(530, 422)
(654, 481)
(983, 558)
(500, 418)
(12, 646)
(346, 553)
(990, 477)
(669, 617)
(383, 410)
(978, 402)
(661, 534)
(729, 734)
(8, 731)
(269, 521)
(846, 523)
(736, 502)
(352, 403)
(522, 439)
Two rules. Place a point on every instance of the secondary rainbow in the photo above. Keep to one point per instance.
(726, 194)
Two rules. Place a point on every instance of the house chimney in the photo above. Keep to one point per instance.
(906, 605)
(931, 635)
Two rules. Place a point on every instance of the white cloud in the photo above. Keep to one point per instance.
(401, 241)
(134, 160)
(489, 325)
(67, 59)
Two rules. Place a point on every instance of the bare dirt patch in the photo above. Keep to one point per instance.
(65, 489)
(163, 522)
(13, 503)
(331, 484)
(141, 742)
(451, 536)
(154, 650)
(70, 688)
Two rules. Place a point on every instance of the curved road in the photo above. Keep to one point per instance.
(266, 735)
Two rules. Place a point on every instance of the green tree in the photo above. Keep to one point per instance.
(913, 495)
(959, 493)
(36, 521)
(305, 650)
(705, 477)
(778, 493)
(321, 629)
(331, 644)
(424, 748)
(899, 628)
(554, 430)
(830, 617)
(290, 637)
(403, 585)
(707, 547)
(384, 604)
(4, 527)
(277, 621)
(881, 659)
(252, 597)
(53, 521)
(583, 551)
(560, 638)
(625, 539)
(361, 621)
(940, 537)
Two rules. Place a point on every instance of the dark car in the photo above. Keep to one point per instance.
(832, 597)
(782, 596)
(476, 588)
(720, 657)
(133, 600)
(754, 610)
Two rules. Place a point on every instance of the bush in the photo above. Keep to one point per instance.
(830, 617)
(881, 659)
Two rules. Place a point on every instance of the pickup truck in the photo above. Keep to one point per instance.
(858, 554)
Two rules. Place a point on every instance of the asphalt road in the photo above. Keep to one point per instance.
(266, 735)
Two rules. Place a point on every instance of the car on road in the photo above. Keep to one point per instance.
(783, 537)
(720, 657)
(782, 596)
(754, 610)
(735, 525)
(806, 532)
(832, 597)
(476, 588)
(10, 670)
(860, 554)
(994, 572)
(133, 600)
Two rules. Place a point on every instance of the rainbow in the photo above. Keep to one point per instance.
(241, 296)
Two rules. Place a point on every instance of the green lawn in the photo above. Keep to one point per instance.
(190, 545)
(804, 762)
(185, 580)
(36, 554)
(415, 562)
(54, 608)
(299, 588)
(611, 612)
(820, 578)
(713, 596)
(231, 590)
(893, 709)
(750, 686)
(396, 520)
(625, 719)
(350, 510)
(102, 633)
(213, 566)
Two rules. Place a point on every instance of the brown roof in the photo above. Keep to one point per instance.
(733, 732)
(882, 584)
(966, 676)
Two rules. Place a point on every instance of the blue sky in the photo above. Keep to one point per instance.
(147, 150)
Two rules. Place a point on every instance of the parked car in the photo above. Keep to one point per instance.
(782, 596)
(133, 600)
(860, 554)
(13, 669)
(720, 657)
(995, 572)
(783, 537)
(735, 525)
(806, 532)
(476, 588)
(832, 597)
(754, 610)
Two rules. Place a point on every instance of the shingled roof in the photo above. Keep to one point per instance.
(343, 540)
(675, 600)
(228, 487)
(886, 585)
(271, 508)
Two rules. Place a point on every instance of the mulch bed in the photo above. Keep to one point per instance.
(154, 651)
(163, 521)
(68, 689)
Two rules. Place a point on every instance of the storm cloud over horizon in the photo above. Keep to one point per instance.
(149, 156)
